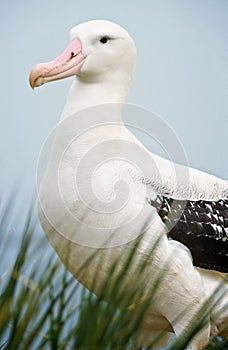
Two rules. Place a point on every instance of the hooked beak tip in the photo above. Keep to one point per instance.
(36, 77)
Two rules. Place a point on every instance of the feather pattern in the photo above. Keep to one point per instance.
(202, 226)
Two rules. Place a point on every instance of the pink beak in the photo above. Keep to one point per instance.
(67, 64)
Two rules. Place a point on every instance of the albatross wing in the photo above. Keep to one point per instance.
(200, 225)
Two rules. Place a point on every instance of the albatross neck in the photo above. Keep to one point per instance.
(83, 94)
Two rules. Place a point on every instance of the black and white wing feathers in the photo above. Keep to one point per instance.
(200, 225)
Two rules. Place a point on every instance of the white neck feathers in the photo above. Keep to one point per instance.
(84, 94)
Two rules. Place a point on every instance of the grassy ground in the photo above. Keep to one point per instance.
(43, 307)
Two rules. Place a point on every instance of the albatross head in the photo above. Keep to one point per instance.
(98, 50)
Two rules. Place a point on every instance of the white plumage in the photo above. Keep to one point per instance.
(96, 163)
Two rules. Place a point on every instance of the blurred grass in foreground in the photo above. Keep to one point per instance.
(43, 307)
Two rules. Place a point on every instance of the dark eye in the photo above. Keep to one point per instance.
(104, 39)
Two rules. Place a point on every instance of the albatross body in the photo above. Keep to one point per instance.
(96, 163)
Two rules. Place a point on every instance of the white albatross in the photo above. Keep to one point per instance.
(101, 55)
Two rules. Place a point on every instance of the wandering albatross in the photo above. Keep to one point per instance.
(101, 56)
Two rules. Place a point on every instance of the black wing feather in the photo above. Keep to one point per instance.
(202, 226)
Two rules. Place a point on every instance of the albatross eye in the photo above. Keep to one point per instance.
(104, 39)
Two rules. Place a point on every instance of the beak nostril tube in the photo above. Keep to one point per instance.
(68, 63)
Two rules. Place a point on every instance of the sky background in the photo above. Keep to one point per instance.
(180, 74)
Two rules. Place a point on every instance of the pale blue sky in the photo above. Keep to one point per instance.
(180, 74)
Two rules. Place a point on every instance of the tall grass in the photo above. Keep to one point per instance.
(43, 307)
